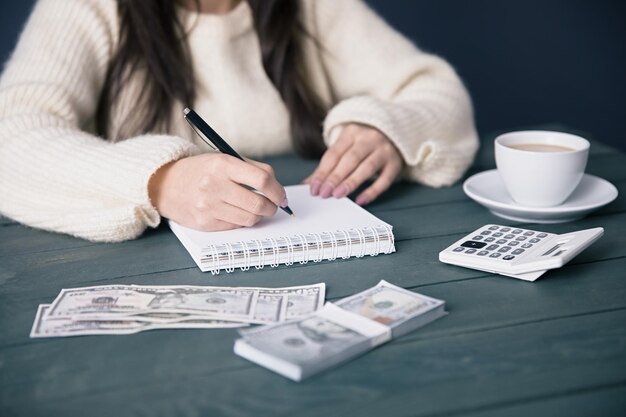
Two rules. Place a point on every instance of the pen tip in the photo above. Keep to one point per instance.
(186, 111)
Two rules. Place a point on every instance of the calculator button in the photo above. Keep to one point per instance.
(508, 257)
(494, 255)
(504, 249)
(518, 251)
(493, 228)
(458, 249)
(472, 244)
(486, 232)
(517, 231)
(527, 245)
(509, 236)
(489, 239)
(482, 253)
(505, 229)
(520, 238)
(497, 234)
(534, 240)
(477, 238)
(492, 247)
(513, 243)
(542, 235)
(470, 251)
(529, 233)
(501, 241)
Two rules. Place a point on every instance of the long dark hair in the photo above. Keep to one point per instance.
(153, 42)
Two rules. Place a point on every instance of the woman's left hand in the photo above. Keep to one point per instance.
(359, 153)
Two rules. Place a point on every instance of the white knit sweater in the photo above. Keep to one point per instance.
(57, 175)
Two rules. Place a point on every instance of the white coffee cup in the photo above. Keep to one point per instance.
(541, 168)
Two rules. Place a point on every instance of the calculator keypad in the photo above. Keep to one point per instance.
(510, 243)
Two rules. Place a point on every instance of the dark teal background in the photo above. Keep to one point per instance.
(525, 62)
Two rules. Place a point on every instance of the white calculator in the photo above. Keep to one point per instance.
(515, 252)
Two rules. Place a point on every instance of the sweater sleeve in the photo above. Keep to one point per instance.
(381, 79)
(53, 174)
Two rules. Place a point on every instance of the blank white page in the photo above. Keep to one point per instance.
(312, 215)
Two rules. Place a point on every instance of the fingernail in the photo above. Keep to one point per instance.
(315, 187)
(284, 203)
(326, 190)
(341, 191)
(361, 201)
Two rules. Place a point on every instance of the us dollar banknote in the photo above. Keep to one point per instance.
(330, 336)
(70, 327)
(125, 309)
(158, 303)
(101, 301)
(390, 305)
(280, 304)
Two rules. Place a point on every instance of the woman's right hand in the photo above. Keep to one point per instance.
(205, 192)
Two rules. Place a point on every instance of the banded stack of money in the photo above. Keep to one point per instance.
(126, 309)
(338, 332)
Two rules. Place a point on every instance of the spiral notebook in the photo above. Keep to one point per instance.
(322, 229)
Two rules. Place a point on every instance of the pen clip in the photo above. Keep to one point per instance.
(205, 139)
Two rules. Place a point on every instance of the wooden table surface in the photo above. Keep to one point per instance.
(508, 347)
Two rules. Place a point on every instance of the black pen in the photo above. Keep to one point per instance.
(200, 126)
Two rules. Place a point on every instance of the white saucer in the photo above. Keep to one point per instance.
(487, 188)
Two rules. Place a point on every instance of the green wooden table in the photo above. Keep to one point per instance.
(507, 348)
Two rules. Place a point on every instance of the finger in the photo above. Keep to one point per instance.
(308, 179)
(329, 160)
(236, 215)
(259, 179)
(210, 224)
(366, 170)
(248, 200)
(220, 225)
(350, 160)
(265, 167)
(384, 181)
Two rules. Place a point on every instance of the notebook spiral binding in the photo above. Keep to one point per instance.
(298, 248)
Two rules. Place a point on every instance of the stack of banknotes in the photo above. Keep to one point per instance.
(338, 332)
(125, 309)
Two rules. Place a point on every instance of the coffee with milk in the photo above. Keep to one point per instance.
(540, 168)
(540, 147)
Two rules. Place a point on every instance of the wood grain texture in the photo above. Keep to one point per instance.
(507, 348)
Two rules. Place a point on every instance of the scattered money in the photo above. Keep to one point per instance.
(338, 332)
(126, 309)
(80, 327)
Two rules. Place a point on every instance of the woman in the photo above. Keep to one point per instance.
(93, 142)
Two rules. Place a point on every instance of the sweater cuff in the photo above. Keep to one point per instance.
(431, 159)
(143, 156)
(374, 112)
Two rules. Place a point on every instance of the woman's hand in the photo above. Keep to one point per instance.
(203, 192)
(359, 153)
